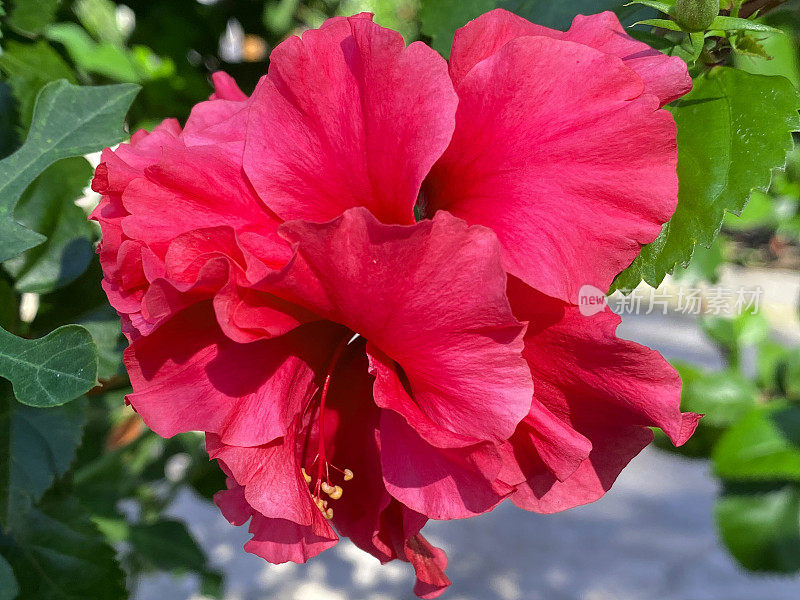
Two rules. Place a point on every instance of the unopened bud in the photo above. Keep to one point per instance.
(696, 15)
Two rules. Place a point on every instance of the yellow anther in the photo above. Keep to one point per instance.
(335, 493)
(326, 487)
(320, 504)
(328, 514)
(306, 476)
(348, 474)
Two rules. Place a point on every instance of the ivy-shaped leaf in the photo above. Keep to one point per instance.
(8, 584)
(37, 445)
(48, 207)
(58, 554)
(52, 370)
(734, 128)
(68, 121)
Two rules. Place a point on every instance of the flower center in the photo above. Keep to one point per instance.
(323, 483)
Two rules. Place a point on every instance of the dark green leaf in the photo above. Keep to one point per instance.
(29, 67)
(52, 370)
(58, 554)
(37, 445)
(763, 446)
(30, 17)
(68, 121)
(104, 326)
(8, 584)
(48, 208)
(8, 119)
(733, 130)
(167, 545)
(441, 19)
(762, 530)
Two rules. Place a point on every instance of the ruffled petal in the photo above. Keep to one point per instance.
(431, 297)
(558, 151)
(348, 116)
(293, 528)
(609, 390)
(664, 76)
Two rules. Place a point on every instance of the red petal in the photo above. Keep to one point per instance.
(664, 76)
(557, 150)
(348, 116)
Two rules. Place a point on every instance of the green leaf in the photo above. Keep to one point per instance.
(29, 67)
(47, 207)
(441, 19)
(37, 446)
(58, 554)
(102, 58)
(734, 128)
(52, 370)
(661, 24)
(167, 545)
(104, 326)
(763, 446)
(736, 24)
(68, 121)
(664, 7)
(762, 530)
(30, 17)
(8, 119)
(8, 584)
(724, 397)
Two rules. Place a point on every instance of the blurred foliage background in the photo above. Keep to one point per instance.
(108, 479)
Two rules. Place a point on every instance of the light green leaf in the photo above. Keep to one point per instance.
(724, 397)
(52, 370)
(30, 17)
(68, 121)
(734, 128)
(661, 24)
(762, 530)
(37, 446)
(763, 446)
(103, 58)
(441, 19)
(8, 584)
(58, 554)
(48, 208)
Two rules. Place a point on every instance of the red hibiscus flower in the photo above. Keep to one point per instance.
(360, 282)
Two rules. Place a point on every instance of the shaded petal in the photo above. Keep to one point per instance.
(188, 376)
(300, 532)
(348, 116)
(611, 391)
(664, 76)
(430, 296)
(559, 152)
(444, 483)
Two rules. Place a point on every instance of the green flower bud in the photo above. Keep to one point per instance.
(696, 15)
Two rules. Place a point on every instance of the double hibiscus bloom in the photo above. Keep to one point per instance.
(361, 281)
